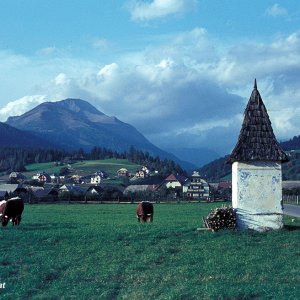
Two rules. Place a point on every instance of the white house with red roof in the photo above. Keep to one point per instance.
(175, 180)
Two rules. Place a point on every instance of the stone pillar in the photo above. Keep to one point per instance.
(257, 194)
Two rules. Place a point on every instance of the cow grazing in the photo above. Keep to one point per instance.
(2, 207)
(11, 210)
(144, 212)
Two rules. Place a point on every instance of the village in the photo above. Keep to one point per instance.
(100, 187)
(125, 186)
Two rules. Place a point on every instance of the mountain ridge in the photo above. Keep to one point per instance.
(13, 137)
(75, 123)
(197, 156)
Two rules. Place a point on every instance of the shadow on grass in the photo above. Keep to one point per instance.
(291, 227)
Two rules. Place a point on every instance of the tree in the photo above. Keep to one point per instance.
(64, 171)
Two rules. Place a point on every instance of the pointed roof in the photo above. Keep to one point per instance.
(176, 177)
(257, 140)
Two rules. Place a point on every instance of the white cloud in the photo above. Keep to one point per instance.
(108, 70)
(206, 125)
(144, 11)
(276, 11)
(165, 63)
(187, 89)
(20, 106)
(61, 79)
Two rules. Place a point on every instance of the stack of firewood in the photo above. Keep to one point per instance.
(220, 218)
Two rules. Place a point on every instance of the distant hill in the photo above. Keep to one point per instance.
(196, 156)
(13, 137)
(75, 123)
(218, 170)
(291, 144)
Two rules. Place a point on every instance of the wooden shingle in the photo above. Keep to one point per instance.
(257, 140)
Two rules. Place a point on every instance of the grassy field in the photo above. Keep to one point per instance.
(101, 252)
(111, 166)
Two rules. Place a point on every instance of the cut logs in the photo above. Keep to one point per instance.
(220, 218)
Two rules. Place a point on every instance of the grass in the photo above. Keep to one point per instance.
(101, 252)
(86, 167)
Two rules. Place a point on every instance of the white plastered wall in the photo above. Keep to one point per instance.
(257, 195)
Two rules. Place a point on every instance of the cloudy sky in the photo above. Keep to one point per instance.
(180, 71)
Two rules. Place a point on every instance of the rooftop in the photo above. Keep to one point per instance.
(257, 141)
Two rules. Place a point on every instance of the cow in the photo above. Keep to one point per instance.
(11, 210)
(144, 212)
(2, 207)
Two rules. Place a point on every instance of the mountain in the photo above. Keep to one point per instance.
(196, 156)
(75, 123)
(218, 169)
(13, 137)
(291, 144)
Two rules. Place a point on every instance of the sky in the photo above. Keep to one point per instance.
(180, 71)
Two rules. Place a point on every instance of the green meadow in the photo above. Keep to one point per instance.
(85, 167)
(100, 252)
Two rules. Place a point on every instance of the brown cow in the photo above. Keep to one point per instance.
(144, 212)
(11, 210)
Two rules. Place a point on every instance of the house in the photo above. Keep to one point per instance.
(220, 190)
(154, 180)
(94, 193)
(148, 184)
(98, 176)
(123, 172)
(174, 180)
(256, 170)
(291, 185)
(142, 173)
(71, 190)
(42, 177)
(16, 177)
(57, 178)
(104, 193)
(137, 188)
(95, 190)
(43, 194)
(171, 187)
(96, 179)
(75, 179)
(196, 187)
(12, 189)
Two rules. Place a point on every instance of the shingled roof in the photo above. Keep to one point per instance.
(257, 140)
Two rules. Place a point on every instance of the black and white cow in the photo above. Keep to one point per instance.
(11, 209)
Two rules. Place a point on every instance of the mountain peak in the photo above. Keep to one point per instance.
(75, 123)
(78, 105)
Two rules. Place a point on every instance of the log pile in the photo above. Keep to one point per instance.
(221, 218)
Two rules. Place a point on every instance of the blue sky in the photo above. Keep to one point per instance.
(180, 71)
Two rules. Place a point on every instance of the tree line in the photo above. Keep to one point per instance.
(16, 159)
